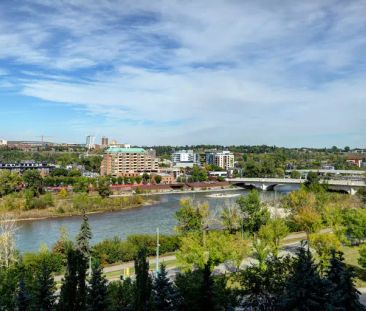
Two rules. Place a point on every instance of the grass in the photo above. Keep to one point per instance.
(351, 255)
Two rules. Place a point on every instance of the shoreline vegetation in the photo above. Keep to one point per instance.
(63, 204)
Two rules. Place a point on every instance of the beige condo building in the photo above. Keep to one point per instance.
(128, 161)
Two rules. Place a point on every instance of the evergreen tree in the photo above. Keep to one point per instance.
(84, 237)
(143, 281)
(73, 290)
(97, 292)
(23, 296)
(44, 288)
(207, 300)
(164, 294)
(343, 293)
(304, 290)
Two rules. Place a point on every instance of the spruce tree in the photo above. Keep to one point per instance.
(143, 281)
(84, 237)
(305, 289)
(44, 288)
(343, 293)
(164, 294)
(23, 296)
(97, 292)
(73, 290)
(207, 295)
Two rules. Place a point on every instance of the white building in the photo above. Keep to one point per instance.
(3, 142)
(224, 159)
(185, 158)
(90, 142)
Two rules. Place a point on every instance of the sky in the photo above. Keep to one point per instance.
(285, 73)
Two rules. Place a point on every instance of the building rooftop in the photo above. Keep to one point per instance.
(125, 150)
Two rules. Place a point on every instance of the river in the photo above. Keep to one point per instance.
(32, 234)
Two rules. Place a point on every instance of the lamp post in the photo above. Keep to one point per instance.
(157, 250)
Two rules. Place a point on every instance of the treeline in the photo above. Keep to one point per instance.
(275, 283)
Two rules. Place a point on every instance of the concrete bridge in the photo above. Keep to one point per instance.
(348, 186)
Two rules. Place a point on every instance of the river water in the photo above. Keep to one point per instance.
(32, 234)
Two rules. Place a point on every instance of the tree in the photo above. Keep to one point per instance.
(143, 281)
(44, 288)
(33, 181)
(304, 289)
(73, 289)
(84, 237)
(217, 248)
(199, 174)
(23, 296)
(254, 213)
(273, 232)
(261, 288)
(354, 222)
(312, 179)
(164, 295)
(81, 185)
(8, 229)
(295, 174)
(308, 220)
(121, 295)
(191, 218)
(9, 182)
(231, 218)
(362, 259)
(97, 292)
(324, 245)
(157, 179)
(344, 295)
(103, 187)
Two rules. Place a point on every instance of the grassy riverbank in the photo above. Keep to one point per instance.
(55, 205)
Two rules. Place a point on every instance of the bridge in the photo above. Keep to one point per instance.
(348, 186)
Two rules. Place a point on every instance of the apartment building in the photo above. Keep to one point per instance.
(223, 159)
(185, 158)
(119, 161)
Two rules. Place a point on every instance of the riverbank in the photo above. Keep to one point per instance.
(75, 205)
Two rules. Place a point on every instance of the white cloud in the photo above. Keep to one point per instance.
(272, 70)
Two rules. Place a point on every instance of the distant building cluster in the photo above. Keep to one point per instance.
(43, 168)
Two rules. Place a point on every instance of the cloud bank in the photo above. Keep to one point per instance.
(206, 71)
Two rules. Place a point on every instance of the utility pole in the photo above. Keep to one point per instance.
(157, 250)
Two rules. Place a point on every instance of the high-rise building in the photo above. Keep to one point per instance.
(128, 161)
(104, 142)
(224, 159)
(185, 158)
(90, 142)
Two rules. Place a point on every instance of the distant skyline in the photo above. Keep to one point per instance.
(171, 72)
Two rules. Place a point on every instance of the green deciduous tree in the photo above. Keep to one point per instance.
(192, 218)
(362, 259)
(231, 218)
(273, 232)
(308, 219)
(33, 182)
(103, 187)
(324, 245)
(254, 213)
(9, 182)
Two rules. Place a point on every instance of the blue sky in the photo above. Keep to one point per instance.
(271, 72)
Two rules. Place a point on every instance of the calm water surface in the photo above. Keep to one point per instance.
(32, 234)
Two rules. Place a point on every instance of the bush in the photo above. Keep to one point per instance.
(115, 250)
(53, 260)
